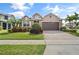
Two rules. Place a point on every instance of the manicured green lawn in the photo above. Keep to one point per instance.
(22, 49)
(3, 31)
(20, 36)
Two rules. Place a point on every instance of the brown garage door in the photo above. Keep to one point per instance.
(50, 25)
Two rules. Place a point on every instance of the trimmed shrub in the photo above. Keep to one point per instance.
(10, 30)
(18, 29)
(77, 31)
(70, 30)
(77, 27)
(36, 29)
(63, 28)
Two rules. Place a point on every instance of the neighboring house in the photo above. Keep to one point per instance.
(68, 24)
(25, 21)
(36, 18)
(4, 21)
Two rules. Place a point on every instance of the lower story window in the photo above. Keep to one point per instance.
(26, 24)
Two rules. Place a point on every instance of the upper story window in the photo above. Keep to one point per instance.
(50, 16)
(26, 24)
(36, 21)
(6, 17)
(25, 18)
(37, 17)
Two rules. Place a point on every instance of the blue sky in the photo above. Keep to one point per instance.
(22, 9)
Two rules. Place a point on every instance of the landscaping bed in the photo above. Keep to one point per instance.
(21, 36)
(72, 31)
(22, 49)
(23, 33)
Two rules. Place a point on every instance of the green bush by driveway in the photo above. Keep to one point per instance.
(72, 31)
(22, 49)
(36, 29)
(77, 31)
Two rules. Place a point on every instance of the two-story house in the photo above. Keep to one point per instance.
(4, 21)
(26, 21)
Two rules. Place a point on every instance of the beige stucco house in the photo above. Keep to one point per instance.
(51, 22)
(48, 22)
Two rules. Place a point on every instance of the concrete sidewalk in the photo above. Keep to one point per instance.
(15, 42)
(62, 49)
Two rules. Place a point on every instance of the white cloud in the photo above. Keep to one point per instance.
(72, 9)
(21, 9)
(20, 6)
(61, 11)
(18, 14)
(55, 9)
(31, 4)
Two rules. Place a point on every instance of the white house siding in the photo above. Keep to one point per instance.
(3, 20)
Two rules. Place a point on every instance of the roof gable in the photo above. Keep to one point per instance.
(51, 18)
(36, 16)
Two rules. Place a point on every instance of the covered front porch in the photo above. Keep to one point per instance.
(5, 25)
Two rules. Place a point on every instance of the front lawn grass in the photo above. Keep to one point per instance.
(22, 49)
(21, 36)
(3, 31)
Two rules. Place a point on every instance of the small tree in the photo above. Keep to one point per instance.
(36, 29)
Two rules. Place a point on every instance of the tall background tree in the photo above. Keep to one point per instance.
(69, 19)
(72, 18)
(76, 18)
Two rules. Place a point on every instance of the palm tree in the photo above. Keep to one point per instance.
(69, 19)
(76, 17)
(18, 23)
(12, 21)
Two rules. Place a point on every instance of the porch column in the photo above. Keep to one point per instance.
(22, 24)
(1, 23)
(11, 26)
(30, 23)
(6, 25)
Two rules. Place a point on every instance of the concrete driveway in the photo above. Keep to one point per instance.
(61, 43)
